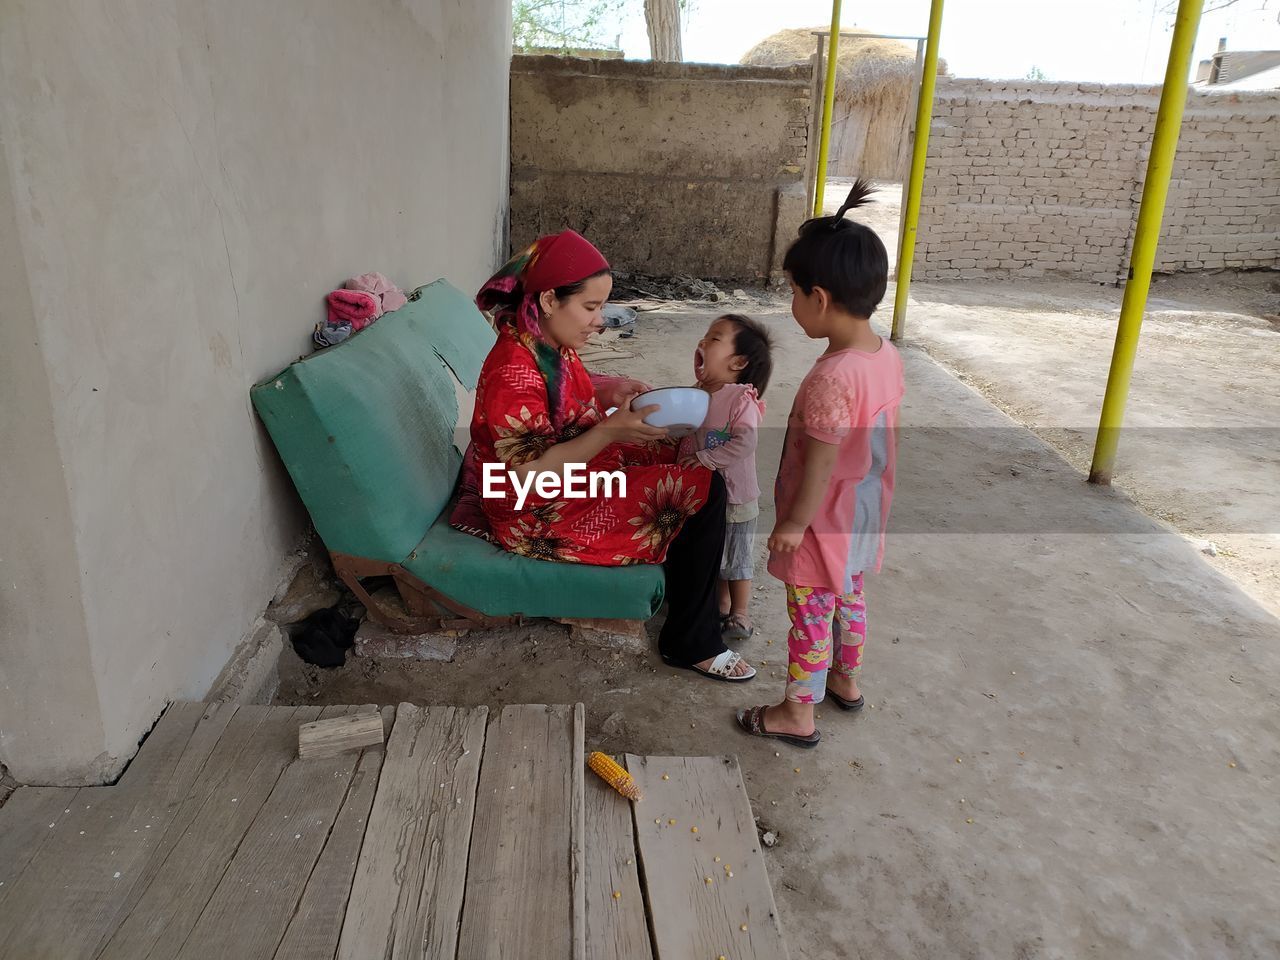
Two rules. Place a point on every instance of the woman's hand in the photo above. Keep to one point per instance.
(619, 393)
(625, 425)
(786, 536)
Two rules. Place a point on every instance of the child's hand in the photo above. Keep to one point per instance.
(786, 537)
(690, 460)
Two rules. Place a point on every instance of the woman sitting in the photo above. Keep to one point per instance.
(538, 409)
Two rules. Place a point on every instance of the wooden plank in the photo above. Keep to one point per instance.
(334, 735)
(242, 725)
(578, 831)
(694, 918)
(526, 845)
(408, 887)
(249, 911)
(68, 899)
(258, 744)
(616, 925)
(26, 822)
(314, 930)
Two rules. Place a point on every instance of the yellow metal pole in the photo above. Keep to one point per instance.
(828, 106)
(1146, 238)
(915, 187)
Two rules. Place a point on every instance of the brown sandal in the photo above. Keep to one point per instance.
(752, 722)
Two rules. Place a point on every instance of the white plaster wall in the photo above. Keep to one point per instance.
(188, 179)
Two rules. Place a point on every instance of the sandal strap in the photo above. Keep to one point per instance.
(723, 664)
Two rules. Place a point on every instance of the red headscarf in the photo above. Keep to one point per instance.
(511, 296)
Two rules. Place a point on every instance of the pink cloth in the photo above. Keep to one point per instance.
(849, 398)
(726, 441)
(390, 297)
(357, 308)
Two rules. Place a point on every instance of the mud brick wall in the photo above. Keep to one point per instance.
(670, 168)
(1042, 179)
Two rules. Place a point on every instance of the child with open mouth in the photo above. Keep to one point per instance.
(732, 363)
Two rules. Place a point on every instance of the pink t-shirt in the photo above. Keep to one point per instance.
(726, 441)
(849, 398)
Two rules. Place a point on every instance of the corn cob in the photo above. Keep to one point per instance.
(608, 770)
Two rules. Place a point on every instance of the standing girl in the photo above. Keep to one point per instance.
(733, 363)
(835, 480)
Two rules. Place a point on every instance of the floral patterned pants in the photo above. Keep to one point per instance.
(821, 620)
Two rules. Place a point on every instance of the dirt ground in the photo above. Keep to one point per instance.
(1074, 733)
(1201, 445)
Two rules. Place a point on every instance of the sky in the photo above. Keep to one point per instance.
(1103, 41)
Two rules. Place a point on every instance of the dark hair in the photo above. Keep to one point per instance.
(567, 291)
(842, 256)
(751, 339)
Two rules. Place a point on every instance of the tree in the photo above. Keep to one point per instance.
(662, 17)
(563, 24)
(1036, 74)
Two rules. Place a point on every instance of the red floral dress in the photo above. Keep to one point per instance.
(512, 426)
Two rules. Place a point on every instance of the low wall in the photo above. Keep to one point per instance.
(669, 168)
(1042, 179)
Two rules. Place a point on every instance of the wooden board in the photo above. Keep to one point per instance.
(525, 889)
(248, 913)
(26, 822)
(616, 928)
(691, 917)
(409, 881)
(257, 745)
(69, 897)
(331, 736)
(316, 926)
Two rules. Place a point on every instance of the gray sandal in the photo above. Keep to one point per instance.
(734, 629)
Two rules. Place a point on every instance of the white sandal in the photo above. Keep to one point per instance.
(721, 668)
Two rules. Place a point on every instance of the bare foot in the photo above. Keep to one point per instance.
(843, 687)
(788, 717)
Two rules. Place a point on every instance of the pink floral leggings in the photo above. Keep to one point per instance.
(820, 620)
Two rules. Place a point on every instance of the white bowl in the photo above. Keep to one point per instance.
(681, 409)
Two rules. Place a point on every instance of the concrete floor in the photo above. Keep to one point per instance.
(1044, 660)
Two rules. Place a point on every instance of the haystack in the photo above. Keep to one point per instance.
(875, 81)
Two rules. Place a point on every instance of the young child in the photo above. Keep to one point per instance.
(733, 363)
(835, 480)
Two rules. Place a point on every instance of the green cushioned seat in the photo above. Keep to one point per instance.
(366, 431)
(489, 579)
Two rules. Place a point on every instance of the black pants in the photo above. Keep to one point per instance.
(692, 631)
